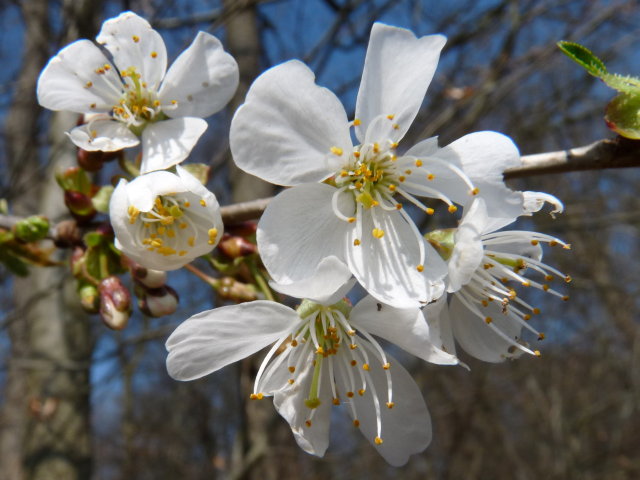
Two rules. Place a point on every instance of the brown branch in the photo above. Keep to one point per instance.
(616, 153)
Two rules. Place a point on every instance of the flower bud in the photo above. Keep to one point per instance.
(159, 301)
(80, 205)
(31, 229)
(115, 303)
(90, 161)
(235, 247)
(89, 298)
(148, 277)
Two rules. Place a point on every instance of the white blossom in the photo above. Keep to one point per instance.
(137, 99)
(163, 220)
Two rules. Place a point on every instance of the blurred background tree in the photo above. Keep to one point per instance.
(79, 401)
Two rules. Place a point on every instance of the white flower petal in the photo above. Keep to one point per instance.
(298, 230)
(321, 286)
(534, 201)
(398, 69)
(290, 404)
(468, 250)
(477, 338)
(212, 339)
(103, 135)
(202, 80)
(133, 43)
(437, 317)
(387, 267)
(406, 327)
(169, 142)
(285, 130)
(406, 428)
(483, 156)
(70, 80)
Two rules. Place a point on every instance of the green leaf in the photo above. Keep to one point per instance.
(583, 56)
(14, 264)
(623, 115)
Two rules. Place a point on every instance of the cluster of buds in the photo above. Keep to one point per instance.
(155, 297)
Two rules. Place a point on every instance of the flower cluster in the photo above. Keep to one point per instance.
(347, 217)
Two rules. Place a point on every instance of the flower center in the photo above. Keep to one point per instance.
(138, 105)
(169, 227)
(325, 337)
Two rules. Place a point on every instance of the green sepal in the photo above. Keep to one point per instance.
(623, 115)
(92, 239)
(198, 170)
(100, 200)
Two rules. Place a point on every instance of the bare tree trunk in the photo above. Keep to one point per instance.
(45, 422)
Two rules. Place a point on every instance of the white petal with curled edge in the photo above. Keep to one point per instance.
(387, 267)
(133, 43)
(213, 339)
(397, 71)
(483, 156)
(169, 142)
(103, 135)
(298, 230)
(290, 404)
(321, 286)
(202, 80)
(118, 214)
(406, 428)
(534, 201)
(287, 127)
(70, 81)
(477, 338)
(144, 189)
(468, 251)
(405, 327)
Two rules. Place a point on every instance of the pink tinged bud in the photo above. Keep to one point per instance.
(235, 247)
(90, 161)
(115, 303)
(159, 302)
(79, 205)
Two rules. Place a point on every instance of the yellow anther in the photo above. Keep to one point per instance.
(353, 346)
(390, 404)
(526, 317)
(88, 85)
(356, 423)
(536, 311)
(391, 117)
(94, 133)
(135, 38)
(398, 206)
(320, 350)
(213, 234)
(202, 202)
(356, 121)
(291, 381)
(353, 363)
(548, 278)
(452, 209)
(183, 226)
(541, 336)
(402, 178)
(488, 320)
(567, 246)
(420, 268)
(356, 242)
(392, 187)
(408, 171)
(154, 54)
(351, 219)
(336, 401)
(308, 423)
(553, 243)
(565, 298)
(344, 173)
(430, 211)
(431, 176)
(365, 366)
(336, 151)
(182, 253)
(395, 126)
(292, 369)
(294, 343)
(187, 203)
(173, 102)
(93, 105)
(545, 287)
(475, 191)
(484, 303)
(526, 284)
(386, 366)
(191, 241)
(376, 148)
(361, 392)
(418, 163)
(537, 353)
(377, 232)
(356, 154)
(171, 233)
(156, 103)
(350, 394)
(534, 242)
(378, 441)
(394, 145)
